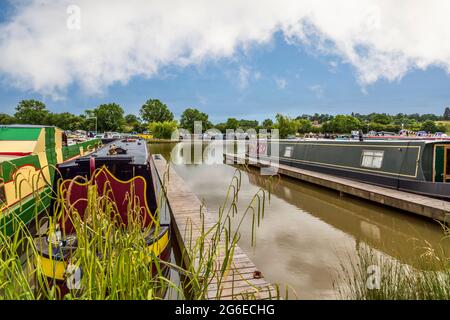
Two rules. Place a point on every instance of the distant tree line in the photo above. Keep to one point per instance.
(156, 117)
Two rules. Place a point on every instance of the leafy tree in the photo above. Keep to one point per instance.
(373, 126)
(248, 124)
(232, 123)
(68, 121)
(133, 123)
(31, 112)
(155, 111)
(381, 118)
(191, 115)
(6, 119)
(429, 126)
(443, 128)
(286, 126)
(89, 113)
(446, 114)
(131, 118)
(109, 117)
(428, 116)
(392, 127)
(163, 130)
(317, 129)
(343, 124)
(304, 125)
(267, 124)
(304, 116)
(222, 127)
(321, 118)
(413, 125)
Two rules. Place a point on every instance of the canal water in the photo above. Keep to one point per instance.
(307, 231)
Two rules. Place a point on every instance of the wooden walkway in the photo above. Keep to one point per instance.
(188, 217)
(410, 202)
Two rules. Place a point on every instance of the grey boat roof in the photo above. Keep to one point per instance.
(136, 153)
(374, 141)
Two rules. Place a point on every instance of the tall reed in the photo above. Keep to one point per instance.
(115, 262)
(374, 276)
(209, 253)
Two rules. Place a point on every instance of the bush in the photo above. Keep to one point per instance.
(429, 126)
(342, 124)
(286, 126)
(443, 128)
(163, 130)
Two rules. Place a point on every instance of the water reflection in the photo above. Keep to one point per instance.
(307, 231)
(397, 234)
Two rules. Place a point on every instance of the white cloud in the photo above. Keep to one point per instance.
(281, 83)
(333, 66)
(121, 39)
(318, 90)
(244, 74)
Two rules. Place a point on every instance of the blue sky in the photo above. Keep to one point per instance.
(254, 82)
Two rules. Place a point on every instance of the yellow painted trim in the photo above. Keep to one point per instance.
(56, 269)
(434, 164)
(159, 246)
(40, 146)
(446, 174)
(52, 268)
(145, 136)
(434, 160)
(43, 162)
(59, 146)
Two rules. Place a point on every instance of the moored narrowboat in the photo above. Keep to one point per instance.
(119, 173)
(28, 157)
(421, 167)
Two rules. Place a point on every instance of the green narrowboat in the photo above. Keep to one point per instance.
(421, 167)
(28, 158)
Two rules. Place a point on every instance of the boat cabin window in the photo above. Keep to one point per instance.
(372, 159)
(288, 152)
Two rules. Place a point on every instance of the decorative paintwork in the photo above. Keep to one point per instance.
(28, 157)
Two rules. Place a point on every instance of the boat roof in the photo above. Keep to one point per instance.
(426, 141)
(26, 126)
(136, 153)
(373, 140)
(8, 158)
